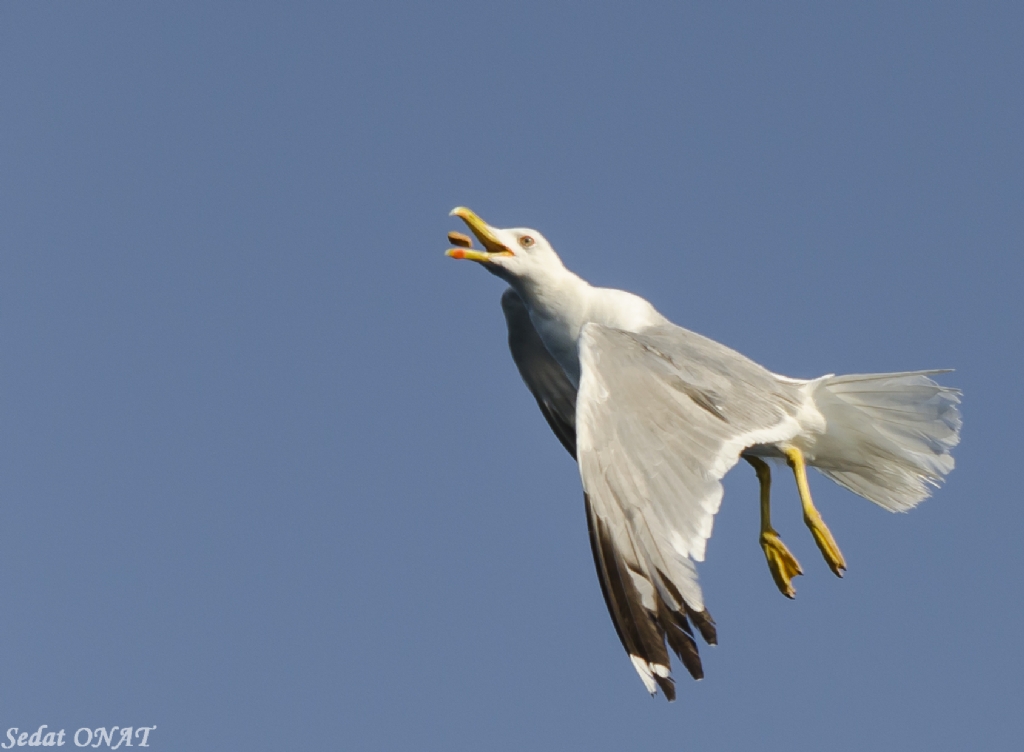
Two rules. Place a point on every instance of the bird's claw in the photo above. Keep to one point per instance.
(781, 563)
(827, 545)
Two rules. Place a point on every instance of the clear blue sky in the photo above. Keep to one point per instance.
(268, 477)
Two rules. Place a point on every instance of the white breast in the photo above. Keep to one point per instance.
(559, 322)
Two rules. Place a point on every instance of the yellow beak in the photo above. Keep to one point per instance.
(484, 233)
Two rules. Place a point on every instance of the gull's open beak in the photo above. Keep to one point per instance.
(484, 234)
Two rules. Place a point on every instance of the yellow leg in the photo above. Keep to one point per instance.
(822, 536)
(781, 563)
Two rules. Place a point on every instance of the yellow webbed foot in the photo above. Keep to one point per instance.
(827, 545)
(822, 536)
(782, 564)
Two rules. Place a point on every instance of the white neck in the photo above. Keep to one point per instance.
(560, 303)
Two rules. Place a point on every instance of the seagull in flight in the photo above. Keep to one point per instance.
(655, 415)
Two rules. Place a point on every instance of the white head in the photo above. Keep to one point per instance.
(517, 255)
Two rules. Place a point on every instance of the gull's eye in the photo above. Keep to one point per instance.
(526, 241)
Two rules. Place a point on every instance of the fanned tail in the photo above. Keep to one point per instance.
(888, 436)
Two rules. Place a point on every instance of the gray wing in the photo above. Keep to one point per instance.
(641, 631)
(555, 394)
(661, 416)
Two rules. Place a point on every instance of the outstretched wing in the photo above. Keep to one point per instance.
(640, 632)
(646, 604)
(661, 416)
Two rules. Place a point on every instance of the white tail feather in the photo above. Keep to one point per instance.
(888, 435)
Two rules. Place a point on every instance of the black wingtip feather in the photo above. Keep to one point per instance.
(668, 687)
(680, 639)
(641, 632)
(705, 625)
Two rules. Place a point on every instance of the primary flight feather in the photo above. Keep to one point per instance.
(656, 415)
